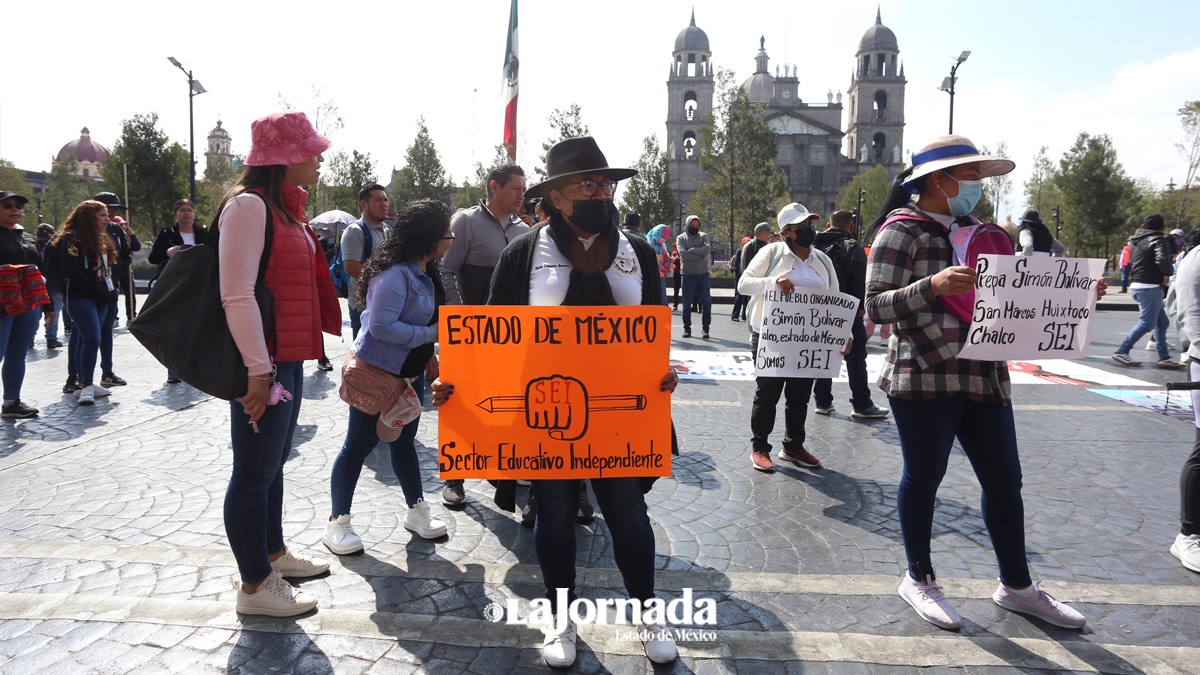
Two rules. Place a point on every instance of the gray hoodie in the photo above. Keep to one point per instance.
(693, 252)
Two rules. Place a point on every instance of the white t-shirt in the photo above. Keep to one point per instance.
(551, 273)
(189, 238)
(803, 274)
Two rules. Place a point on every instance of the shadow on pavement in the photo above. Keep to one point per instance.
(258, 651)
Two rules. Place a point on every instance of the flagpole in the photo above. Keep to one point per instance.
(511, 71)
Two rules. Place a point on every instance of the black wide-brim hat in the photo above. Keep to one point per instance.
(1033, 217)
(576, 157)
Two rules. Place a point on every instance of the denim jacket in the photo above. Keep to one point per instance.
(400, 302)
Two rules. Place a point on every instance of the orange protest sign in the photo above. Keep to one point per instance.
(554, 392)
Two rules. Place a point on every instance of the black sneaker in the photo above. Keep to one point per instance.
(687, 332)
(529, 513)
(53, 344)
(18, 411)
(71, 386)
(586, 513)
(173, 380)
(705, 333)
(324, 364)
(111, 380)
(454, 494)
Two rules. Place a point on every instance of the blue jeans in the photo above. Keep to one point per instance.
(1151, 317)
(254, 498)
(663, 282)
(16, 334)
(92, 321)
(624, 508)
(361, 439)
(355, 322)
(693, 284)
(988, 436)
(856, 372)
(56, 302)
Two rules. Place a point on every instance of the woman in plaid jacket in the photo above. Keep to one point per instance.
(935, 396)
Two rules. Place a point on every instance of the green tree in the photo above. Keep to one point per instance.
(13, 180)
(875, 184)
(737, 150)
(1041, 190)
(64, 190)
(1095, 190)
(343, 177)
(1184, 210)
(423, 175)
(566, 124)
(158, 173)
(996, 189)
(475, 188)
(649, 192)
(210, 190)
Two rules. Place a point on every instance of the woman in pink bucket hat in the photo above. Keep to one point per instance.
(264, 213)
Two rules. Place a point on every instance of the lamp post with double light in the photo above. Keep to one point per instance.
(948, 84)
(194, 88)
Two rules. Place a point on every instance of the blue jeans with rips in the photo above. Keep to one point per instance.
(988, 436)
(254, 497)
(361, 440)
(1151, 317)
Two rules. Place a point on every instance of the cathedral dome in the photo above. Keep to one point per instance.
(692, 38)
(759, 87)
(84, 149)
(878, 37)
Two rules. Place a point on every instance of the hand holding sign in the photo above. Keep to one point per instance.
(559, 404)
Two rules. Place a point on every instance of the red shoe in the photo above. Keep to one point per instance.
(800, 457)
(761, 460)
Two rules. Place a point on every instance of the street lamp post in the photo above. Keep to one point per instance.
(948, 84)
(194, 88)
(858, 214)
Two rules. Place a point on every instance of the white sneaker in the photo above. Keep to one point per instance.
(1187, 549)
(558, 649)
(275, 597)
(1036, 602)
(659, 643)
(87, 395)
(298, 565)
(340, 536)
(929, 602)
(100, 392)
(418, 520)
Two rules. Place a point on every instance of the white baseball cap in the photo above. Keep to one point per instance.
(795, 213)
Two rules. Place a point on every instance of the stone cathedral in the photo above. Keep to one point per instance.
(816, 155)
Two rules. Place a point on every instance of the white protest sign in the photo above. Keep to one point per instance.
(1032, 308)
(803, 333)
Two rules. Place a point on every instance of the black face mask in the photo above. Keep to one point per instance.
(804, 236)
(592, 215)
(694, 230)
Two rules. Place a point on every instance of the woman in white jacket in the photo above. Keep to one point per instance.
(788, 264)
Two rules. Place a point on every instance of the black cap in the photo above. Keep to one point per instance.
(1154, 221)
(632, 218)
(5, 194)
(108, 199)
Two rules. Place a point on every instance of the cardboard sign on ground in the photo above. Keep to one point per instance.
(554, 392)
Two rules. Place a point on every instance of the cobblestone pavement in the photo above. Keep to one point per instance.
(113, 554)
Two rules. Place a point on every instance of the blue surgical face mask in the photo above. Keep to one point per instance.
(969, 193)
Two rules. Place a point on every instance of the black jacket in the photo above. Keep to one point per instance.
(1149, 256)
(82, 278)
(849, 261)
(125, 245)
(168, 237)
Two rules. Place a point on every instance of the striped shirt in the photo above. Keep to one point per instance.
(922, 357)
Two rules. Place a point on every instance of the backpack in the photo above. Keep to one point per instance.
(337, 268)
(968, 243)
(840, 253)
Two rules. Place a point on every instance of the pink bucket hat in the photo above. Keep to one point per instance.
(284, 138)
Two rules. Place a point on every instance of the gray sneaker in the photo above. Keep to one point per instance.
(874, 412)
(824, 410)
(1124, 360)
(454, 494)
(1038, 603)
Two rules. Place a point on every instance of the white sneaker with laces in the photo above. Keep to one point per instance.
(1036, 602)
(419, 520)
(298, 565)
(558, 649)
(87, 395)
(274, 597)
(340, 537)
(658, 642)
(1187, 549)
(927, 599)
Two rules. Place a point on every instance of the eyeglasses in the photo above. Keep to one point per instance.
(588, 187)
(451, 237)
(13, 205)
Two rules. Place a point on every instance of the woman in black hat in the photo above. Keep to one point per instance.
(606, 268)
(17, 247)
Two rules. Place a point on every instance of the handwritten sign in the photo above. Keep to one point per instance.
(803, 333)
(1032, 307)
(554, 392)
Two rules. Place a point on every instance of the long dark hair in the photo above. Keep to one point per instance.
(270, 179)
(898, 195)
(419, 228)
(93, 240)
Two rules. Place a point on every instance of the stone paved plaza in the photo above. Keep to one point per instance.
(113, 556)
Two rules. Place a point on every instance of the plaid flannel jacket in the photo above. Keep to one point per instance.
(922, 357)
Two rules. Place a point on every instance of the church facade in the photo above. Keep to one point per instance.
(818, 156)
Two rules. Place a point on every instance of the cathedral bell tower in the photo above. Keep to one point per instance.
(690, 87)
(876, 125)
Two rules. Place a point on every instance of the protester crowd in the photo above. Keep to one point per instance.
(560, 242)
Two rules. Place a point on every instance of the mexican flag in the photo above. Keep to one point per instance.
(511, 65)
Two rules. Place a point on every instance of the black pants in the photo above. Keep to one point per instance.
(796, 392)
(124, 284)
(1189, 492)
(856, 372)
